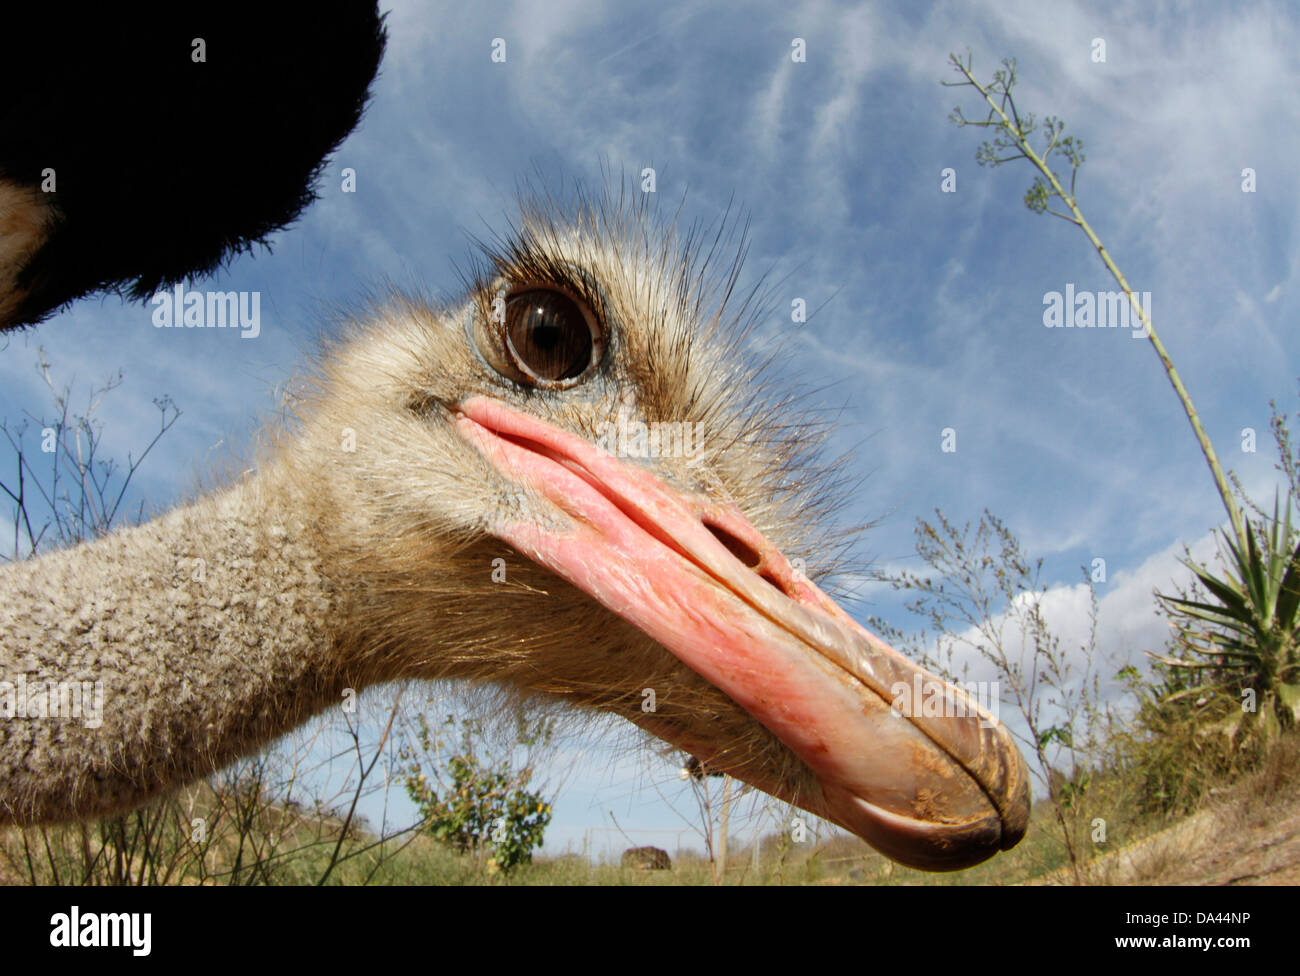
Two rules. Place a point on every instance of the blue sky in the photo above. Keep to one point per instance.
(930, 303)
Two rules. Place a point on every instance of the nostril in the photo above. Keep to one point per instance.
(742, 550)
(748, 555)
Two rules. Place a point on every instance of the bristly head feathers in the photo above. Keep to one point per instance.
(402, 503)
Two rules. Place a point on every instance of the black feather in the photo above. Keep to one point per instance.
(166, 167)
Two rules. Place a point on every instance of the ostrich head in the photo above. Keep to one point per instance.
(573, 482)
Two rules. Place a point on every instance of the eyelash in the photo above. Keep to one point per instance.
(561, 277)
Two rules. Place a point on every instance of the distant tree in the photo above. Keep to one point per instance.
(478, 804)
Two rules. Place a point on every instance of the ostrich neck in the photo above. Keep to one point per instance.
(155, 655)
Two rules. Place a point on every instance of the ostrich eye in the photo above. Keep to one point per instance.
(548, 335)
(542, 336)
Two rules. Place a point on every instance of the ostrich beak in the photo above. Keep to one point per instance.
(939, 792)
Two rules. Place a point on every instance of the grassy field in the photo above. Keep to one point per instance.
(1246, 830)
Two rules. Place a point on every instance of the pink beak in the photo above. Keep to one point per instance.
(938, 792)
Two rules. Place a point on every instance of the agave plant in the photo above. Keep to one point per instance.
(1241, 642)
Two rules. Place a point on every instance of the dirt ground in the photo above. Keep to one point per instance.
(1226, 846)
(1247, 834)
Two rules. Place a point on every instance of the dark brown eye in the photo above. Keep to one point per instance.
(537, 334)
(550, 337)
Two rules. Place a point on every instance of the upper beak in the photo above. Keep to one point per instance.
(938, 792)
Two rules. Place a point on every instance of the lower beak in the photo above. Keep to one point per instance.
(940, 787)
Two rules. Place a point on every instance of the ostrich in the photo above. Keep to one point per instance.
(146, 142)
(467, 490)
